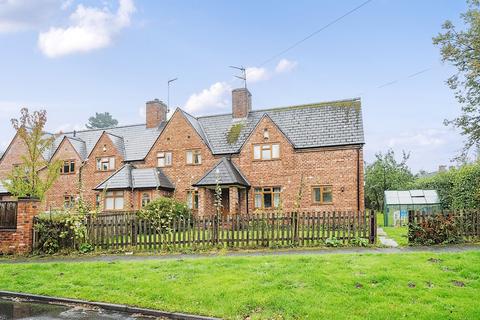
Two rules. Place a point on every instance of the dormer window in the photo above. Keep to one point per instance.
(266, 151)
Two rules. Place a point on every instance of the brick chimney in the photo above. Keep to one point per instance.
(156, 113)
(241, 103)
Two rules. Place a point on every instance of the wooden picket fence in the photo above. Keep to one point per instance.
(468, 222)
(124, 230)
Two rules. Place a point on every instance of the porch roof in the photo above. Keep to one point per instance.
(129, 177)
(227, 174)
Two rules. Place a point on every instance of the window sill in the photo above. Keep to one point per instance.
(266, 160)
(8, 229)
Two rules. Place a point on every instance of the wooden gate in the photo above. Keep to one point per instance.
(8, 215)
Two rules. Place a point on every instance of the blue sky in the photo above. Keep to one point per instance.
(73, 58)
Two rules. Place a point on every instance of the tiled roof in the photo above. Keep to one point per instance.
(227, 174)
(132, 141)
(306, 126)
(129, 177)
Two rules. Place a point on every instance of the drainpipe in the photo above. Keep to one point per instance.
(358, 179)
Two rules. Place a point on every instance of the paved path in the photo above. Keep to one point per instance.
(385, 240)
(265, 253)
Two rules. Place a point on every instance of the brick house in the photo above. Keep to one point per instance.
(306, 156)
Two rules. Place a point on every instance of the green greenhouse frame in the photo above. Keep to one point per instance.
(398, 203)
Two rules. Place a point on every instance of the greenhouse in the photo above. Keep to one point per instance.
(398, 203)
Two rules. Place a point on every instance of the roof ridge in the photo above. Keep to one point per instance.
(305, 105)
(102, 129)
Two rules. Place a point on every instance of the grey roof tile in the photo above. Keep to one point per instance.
(132, 141)
(227, 174)
(306, 126)
(128, 177)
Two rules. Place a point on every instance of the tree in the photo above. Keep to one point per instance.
(461, 48)
(386, 174)
(35, 175)
(101, 120)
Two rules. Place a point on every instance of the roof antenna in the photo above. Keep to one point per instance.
(168, 92)
(243, 76)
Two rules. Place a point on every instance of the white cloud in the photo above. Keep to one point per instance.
(255, 74)
(21, 15)
(423, 138)
(285, 65)
(90, 28)
(217, 97)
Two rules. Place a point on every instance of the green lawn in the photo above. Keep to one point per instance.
(399, 234)
(333, 286)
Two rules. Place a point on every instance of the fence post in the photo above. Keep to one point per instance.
(411, 221)
(295, 228)
(373, 227)
(134, 230)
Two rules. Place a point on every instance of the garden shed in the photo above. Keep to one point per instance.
(398, 203)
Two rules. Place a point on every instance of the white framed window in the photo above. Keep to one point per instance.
(114, 200)
(164, 159)
(192, 199)
(267, 151)
(106, 164)
(267, 197)
(194, 157)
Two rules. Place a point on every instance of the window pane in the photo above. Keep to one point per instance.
(266, 153)
(276, 200)
(275, 151)
(195, 201)
(276, 189)
(168, 158)
(256, 152)
(72, 166)
(327, 194)
(66, 167)
(316, 195)
(189, 157)
(267, 200)
(109, 194)
(119, 203)
(109, 204)
(258, 200)
(189, 200)
(198, 158)
(161, 162)
(99, 164)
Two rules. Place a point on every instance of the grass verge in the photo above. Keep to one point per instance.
(369, 286)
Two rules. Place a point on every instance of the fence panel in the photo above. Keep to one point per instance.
(127, 230)
(8, 215)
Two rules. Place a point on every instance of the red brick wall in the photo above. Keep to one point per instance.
(19, 241)
(177, 137)
(324, 166)
(12, 156)
(90, 177)
(66, 184)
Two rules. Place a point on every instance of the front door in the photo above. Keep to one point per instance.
(225, 201)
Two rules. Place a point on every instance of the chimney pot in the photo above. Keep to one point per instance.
(241, 103)
(442, 168)
(155, 113)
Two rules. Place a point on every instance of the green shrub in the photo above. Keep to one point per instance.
(60, 230)
(163, 211)
(359, 242)
(436, 229)
(332, 242)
